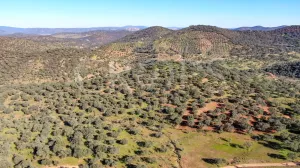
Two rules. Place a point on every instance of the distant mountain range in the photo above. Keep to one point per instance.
(258, 28)
(5, 30)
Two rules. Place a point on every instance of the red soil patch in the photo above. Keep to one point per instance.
(169, 105)
(208, 106)
(186, 112)
(227, 112)
(252, 120)
(272, 76)
(249, 165)
(64, 166)
(265, 108)
(259, 116)
(185, 128)
(208, 128)
(89, 76)
(179, 59)
(204, 80)
(255, 132)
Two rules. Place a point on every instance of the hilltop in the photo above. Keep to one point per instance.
(148, 34)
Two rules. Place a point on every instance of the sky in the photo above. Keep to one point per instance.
(167, 13)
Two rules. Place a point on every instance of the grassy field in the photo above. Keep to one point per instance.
(198, 146)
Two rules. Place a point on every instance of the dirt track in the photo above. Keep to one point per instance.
(62, 166)
(254, 165)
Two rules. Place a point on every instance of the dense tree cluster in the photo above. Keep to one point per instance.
(98, 118)
(289, 69)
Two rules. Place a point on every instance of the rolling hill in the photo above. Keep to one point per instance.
(98, 48)
(200, 42)
(36, 58)
(92, 38)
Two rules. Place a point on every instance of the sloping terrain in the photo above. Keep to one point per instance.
(159, 115)
(57, 57)
(23, 45)
(205, 42)
(196, 41)
(289, 69)
(32, 54)
(93, 38)
(134, 47)
(148, 34)
(79, 40)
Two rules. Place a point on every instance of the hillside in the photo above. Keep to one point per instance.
(289, 69)
(202, 43)
(92, 38)
(57, 57)
(156, 41)
(196, 42)
(80, 40)
(160, 114)
(25, 45)
(97, 48)
(148, 34)
(138, 45)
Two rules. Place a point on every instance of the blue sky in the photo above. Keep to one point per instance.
(180, 13)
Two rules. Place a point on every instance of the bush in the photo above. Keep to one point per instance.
(109, 162)
(145, 144)
(123, 141)
(45, 162)
(217, 161)
(149, 160)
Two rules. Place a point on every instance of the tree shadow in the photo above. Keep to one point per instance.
(215, 161)
(131, 166)
(209, 160)
(272, 145)
(224, 139)
(184, 123)
(276, 156)
(235, 145)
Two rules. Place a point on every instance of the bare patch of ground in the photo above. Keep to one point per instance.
(62, 166)
(204, 80)
(271, 76)
(166, 57)
(207, 107)
(169, 105)
(115, 67)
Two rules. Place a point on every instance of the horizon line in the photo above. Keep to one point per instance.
(92, 27)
